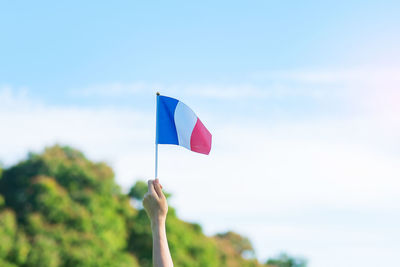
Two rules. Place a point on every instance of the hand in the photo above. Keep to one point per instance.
(155, 203)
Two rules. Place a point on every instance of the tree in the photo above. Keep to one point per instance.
(283, 260)
(138, 191)
(59, 209)
(63, 210)
(240, 244)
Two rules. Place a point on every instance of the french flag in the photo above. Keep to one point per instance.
(178, 125)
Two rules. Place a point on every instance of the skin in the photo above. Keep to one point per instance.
(156, 206)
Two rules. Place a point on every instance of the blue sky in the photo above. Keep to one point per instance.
(53, 47)
(301, 98)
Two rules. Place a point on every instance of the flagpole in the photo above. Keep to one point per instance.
(156, 158)
(156, 171)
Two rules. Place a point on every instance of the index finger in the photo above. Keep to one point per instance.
(158, 188)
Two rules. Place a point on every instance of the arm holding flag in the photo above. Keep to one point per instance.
(155, 204)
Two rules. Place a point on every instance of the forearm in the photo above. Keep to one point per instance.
(161, 253)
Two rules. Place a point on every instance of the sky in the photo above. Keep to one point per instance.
(302, 99)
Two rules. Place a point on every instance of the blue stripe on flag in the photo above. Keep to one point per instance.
(166, 129)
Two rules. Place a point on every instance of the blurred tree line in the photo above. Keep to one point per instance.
(60, 209)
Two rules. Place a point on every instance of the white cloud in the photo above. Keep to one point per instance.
(375, 90)
(366, 75)
(12, 99)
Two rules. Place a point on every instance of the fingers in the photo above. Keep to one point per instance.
(152, 191)
(158, 188)
(145, 199)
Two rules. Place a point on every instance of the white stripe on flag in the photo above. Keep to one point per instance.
(185, 120)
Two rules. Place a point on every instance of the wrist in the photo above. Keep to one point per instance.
(158, 222)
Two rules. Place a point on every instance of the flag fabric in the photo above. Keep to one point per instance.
(178, 125)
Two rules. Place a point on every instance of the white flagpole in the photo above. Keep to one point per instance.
(156, 171)
(156, 165)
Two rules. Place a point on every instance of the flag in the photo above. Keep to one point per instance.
(178, 125)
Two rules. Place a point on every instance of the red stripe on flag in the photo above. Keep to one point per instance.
(200, 141)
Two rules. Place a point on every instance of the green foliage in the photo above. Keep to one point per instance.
(138, 190)
(21, 249)
(240, 244)
(4, 263)
(59, 209)
(64, 210)
(2, 202)
(8, 228)
(44, 252)
(283, 260)
(233, 246)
